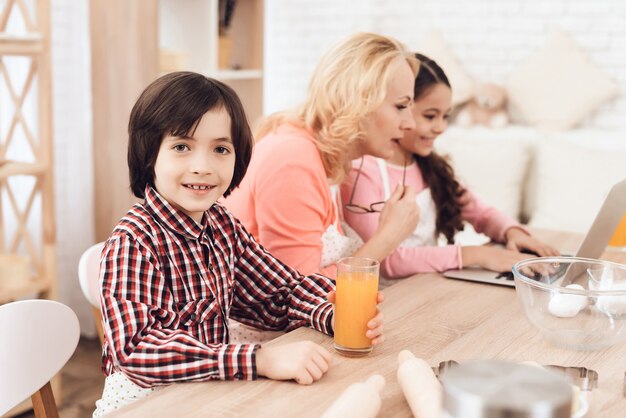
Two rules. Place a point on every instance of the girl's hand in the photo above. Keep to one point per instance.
(518, 240)
(375, 325)
(491, 258)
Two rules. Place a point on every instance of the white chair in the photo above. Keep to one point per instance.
(88, 275)
(38, 338)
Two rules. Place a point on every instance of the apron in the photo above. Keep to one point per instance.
(336, 245)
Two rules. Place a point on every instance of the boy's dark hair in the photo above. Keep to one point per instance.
(437, 172)
(173, 105)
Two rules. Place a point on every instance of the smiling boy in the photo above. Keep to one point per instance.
(178, 265)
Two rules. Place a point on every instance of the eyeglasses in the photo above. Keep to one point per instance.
(373, 207)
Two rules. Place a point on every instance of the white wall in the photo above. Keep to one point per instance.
(71, 80)
(489, 37)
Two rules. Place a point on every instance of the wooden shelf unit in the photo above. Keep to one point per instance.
(32, 45)
(189, 39)
(27, 221)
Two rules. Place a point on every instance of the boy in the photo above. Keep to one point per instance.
(178, 265)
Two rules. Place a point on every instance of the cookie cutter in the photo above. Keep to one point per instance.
(586, 379)
(440, 369)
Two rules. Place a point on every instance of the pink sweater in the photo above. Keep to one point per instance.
(284, 199)
(410, 260)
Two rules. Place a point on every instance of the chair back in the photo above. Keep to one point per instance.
(38, 338)
(88, 273)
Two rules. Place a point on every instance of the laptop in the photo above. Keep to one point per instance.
(594, 244)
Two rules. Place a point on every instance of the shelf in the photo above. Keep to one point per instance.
(236, 74)
(191, 39)
(30, 44)
(16, 168)
(35, 285)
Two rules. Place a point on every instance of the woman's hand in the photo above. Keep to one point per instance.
(397, 220)
(518, 240)
(400, 215)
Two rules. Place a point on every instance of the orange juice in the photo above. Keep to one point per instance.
(355, 306)
(619, 237)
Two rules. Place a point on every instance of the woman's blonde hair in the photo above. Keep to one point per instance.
(349, 83)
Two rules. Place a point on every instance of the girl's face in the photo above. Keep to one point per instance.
(191, 173)
(393, 118)
(431, 112)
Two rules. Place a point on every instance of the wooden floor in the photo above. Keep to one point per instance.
(82, 381)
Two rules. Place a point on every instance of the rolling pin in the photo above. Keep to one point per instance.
(420, 386)
(359, 400)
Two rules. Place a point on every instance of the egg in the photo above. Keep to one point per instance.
(614, 305)
(565, 305)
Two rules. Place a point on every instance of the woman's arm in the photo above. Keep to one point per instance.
(292, 202)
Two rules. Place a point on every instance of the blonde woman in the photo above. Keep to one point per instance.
(358, 103)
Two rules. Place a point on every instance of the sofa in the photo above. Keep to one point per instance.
(552, 180)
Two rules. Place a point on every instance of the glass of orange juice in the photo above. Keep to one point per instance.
(355, 304)
(618, 240)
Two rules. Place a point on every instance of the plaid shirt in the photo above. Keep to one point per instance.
(169, 285)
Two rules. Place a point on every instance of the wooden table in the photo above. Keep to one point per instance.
(437, 319)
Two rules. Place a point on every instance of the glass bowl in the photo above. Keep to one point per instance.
(576, 303)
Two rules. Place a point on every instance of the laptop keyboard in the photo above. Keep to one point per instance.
(507, 275)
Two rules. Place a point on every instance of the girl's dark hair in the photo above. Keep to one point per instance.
(173, 105)
(436, 171)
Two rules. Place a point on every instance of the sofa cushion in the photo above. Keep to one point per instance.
(557, 87)
(491, 162)
(574, 173)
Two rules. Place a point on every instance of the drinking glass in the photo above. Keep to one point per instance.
(355, 304)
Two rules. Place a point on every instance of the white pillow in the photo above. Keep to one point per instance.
(557, 87)
(492, 163)
(435, 48)
(573, 179)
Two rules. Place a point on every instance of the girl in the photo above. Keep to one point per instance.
(444, 203)
(178, 265)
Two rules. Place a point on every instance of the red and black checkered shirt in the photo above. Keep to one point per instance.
(169, 285)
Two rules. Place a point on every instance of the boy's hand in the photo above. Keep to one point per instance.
(375, 325)
(303, 361)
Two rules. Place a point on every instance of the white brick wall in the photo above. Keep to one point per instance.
(490, 38)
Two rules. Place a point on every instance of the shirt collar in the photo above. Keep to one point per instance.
(173, 218)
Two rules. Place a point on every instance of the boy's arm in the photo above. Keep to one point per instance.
(150, 340)
(271, 295)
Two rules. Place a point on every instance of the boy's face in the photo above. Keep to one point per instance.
(191, 173)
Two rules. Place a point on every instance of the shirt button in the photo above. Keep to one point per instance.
(211, 267)
(238, 375)
(193, 317)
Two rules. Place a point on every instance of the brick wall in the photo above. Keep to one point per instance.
(489, 37)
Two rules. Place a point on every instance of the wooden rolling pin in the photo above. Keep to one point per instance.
(420, 386)
(359, 400)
